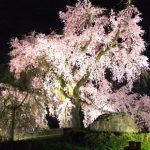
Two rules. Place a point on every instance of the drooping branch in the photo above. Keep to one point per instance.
(64, 61)
(21, 103)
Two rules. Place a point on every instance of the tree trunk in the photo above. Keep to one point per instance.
(12, 125)
(76, 118)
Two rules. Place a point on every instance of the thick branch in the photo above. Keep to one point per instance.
(84, 48)
(109, 46)
(83, 80)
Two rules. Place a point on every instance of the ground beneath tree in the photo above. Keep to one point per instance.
(74, 139)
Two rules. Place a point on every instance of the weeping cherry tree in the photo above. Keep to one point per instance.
(73, 67)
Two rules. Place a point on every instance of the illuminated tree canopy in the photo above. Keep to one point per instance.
(71, 69)
(19, 111)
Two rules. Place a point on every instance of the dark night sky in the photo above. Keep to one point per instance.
(18, 17)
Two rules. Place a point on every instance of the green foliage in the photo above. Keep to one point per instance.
(117, 141)
(88, 140)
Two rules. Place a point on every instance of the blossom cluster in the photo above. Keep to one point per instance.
(94, 39)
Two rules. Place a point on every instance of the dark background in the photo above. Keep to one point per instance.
(19, 17)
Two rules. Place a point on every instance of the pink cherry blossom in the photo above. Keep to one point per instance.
(92, 41)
